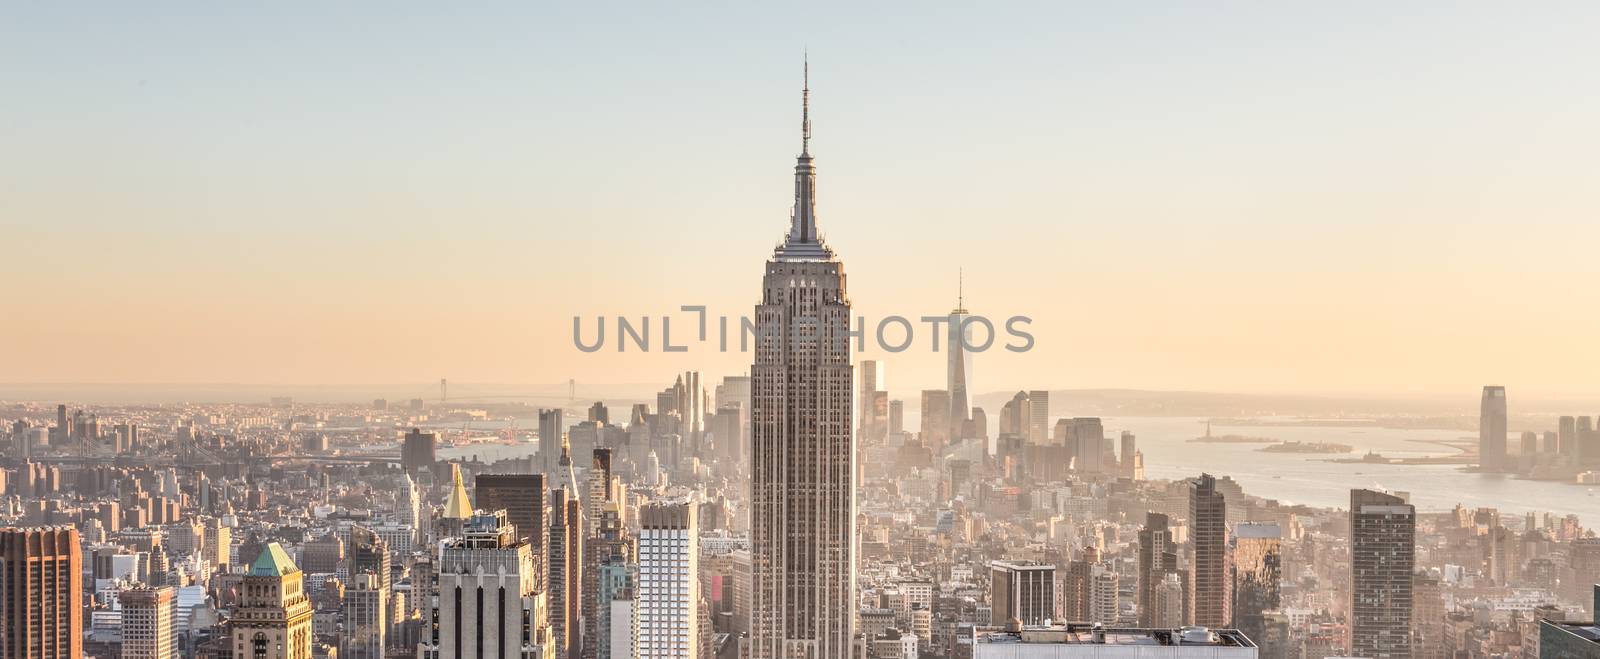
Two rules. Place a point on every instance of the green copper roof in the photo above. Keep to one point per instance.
(273, 562)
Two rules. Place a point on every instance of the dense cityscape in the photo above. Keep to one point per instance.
(790, 511)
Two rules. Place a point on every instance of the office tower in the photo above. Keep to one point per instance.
(1158, 559)
(147, 623)
(935, 418)
(1257, 576)
(1210, 581)
(803, 504)
(958, 364)
(1492, 430)
(418, 451)
(667, 622)
(565, 553)
(63, 429)
(870, 386)
(549, 437)
(1087, 440)
(1567, 436)
(1015, 415)
(1529, 446)
(1022, 591)
(1382, 557)
(610, 577)
(897, 417)
(1038, 416)
(366, 617)
(41, 593)
(525, 498)
(735, 391)
(369, 554)
(489, 603)
(273, 617)
(599, 414)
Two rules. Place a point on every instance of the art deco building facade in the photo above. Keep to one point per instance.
(802, 450)
(488, 605)
(41, 586)
(273, 619)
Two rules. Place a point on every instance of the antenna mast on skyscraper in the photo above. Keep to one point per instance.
(805, 106)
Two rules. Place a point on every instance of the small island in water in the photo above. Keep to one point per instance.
(1231, 439)
(1307, 447)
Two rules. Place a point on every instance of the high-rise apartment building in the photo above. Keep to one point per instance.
(1492, 430)
(147, 631)
(1210, 569)
(667, 616)
(273, 617)
(1382, 558)
(802, 454)
(41, 593)
(610, 574)
(1158, 559)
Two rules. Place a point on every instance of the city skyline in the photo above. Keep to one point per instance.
(471, 223)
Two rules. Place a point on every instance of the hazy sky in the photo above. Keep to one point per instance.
(1367, 197)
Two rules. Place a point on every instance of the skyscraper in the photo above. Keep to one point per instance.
(525, 498)
(549, 436)
(1492, 430)
(41, 594)
(1258, 577)
(667, 620)
(273, 618)
(870, 386)
(936, 421)
(565, 553)
(1158, 558)
(366, 617)
(958, 369)
(418, 451)
(489, 603)
(1382, 556)
(1038, 416)
(802, 452)
(1087, 441)
(1210, 578)
(610, 575)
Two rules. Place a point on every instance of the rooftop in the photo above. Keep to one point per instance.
(1087, 634)
(273, 562)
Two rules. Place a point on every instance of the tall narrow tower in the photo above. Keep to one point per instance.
(802, 452)
(959, 371)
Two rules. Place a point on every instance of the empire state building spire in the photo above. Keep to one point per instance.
(804, 243)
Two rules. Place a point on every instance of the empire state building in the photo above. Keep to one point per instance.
(802, 452)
